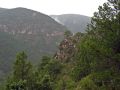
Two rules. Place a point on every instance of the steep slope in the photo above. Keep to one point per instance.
(28, 30)
(74, 22)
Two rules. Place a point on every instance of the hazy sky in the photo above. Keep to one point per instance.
(84, 7)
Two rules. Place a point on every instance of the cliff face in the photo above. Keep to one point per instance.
(66, 50)
(68, 47)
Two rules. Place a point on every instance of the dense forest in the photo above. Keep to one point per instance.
(84, 61)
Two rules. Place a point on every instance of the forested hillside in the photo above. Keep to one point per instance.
(26, 30)
(84, 61)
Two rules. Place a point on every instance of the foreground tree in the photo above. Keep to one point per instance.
(22, 76)
(98, 54)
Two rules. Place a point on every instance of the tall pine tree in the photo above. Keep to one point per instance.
(22, 76)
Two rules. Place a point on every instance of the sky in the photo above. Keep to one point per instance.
(56, 7)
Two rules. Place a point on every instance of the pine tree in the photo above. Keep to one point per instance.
(98, 54)
(22, 76)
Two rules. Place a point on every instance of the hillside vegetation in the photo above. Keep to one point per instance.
(26, 30)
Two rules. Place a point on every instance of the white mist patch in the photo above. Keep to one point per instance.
(57, 20)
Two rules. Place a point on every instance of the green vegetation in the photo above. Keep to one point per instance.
(89, 61)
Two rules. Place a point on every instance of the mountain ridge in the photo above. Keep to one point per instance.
(27, 30)
(74, 22)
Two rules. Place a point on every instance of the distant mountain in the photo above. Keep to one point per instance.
(74, 22)
(28, 30)
(2, 9)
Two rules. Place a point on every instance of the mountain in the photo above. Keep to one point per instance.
(74, 22)
(2, 9)
(26, 30)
